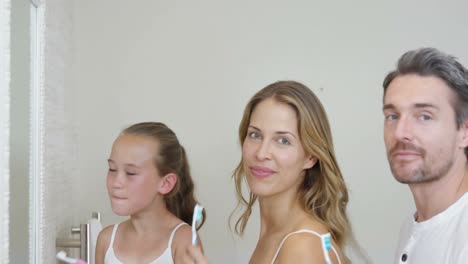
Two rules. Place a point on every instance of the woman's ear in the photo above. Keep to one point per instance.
(168, 182)
(310, 162)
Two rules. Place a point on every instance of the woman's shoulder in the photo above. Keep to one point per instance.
(306, 234)
(303, 247)
(302, 240)
(305, 244)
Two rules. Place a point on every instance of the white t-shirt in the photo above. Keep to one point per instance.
(441, 239)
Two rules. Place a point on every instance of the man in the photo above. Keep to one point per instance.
(426, 137)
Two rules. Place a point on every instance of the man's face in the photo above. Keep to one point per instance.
(420, 131)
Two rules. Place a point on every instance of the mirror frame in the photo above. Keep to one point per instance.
(5, 65)
(36, 133)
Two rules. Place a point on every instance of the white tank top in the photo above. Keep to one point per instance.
(164, 258)
(297, 232)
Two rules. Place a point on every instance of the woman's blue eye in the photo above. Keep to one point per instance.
(254, 134)
(283, 141)
(131, 173)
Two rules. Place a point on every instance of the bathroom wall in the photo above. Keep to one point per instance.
(58, 143)
(4, 128)
(194, 65)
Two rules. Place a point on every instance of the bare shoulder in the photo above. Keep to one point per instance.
(182, 236)
(304, 247)
(306, 244)
(102, 243)
(182, 239)
(104, 236)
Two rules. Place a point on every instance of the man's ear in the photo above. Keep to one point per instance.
(310, 162)
(464, 131)
(168, 182)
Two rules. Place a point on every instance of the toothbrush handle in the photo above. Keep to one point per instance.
(80, 261)
(194, 237)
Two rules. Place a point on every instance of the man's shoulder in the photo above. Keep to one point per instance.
(462, 217)
(460, 223)
(464, 201)
(462, 214)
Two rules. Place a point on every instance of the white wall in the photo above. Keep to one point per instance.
(194, 64)
(57, 145)
(5, 26)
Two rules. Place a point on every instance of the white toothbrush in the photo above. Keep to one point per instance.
(63, 257)
(197, 218)
(326, 246)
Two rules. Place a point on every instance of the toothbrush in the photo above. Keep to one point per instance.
(63, 257)
(326, 246)
(197, 218)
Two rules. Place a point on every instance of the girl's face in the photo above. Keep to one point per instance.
(272, 153)
(132, 179)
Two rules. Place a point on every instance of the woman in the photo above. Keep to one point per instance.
(289, 163)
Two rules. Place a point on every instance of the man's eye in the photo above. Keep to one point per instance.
(425, 117)
(391, 117)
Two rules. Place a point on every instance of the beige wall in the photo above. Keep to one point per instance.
(194, 65)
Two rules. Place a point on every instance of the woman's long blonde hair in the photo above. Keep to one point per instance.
(323, 191)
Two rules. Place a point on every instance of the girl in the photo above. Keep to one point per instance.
(148, 180)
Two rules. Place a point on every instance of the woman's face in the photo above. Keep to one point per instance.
(273, 157)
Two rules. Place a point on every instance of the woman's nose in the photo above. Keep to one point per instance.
(263, 151)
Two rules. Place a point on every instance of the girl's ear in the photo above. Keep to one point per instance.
(168, 182)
